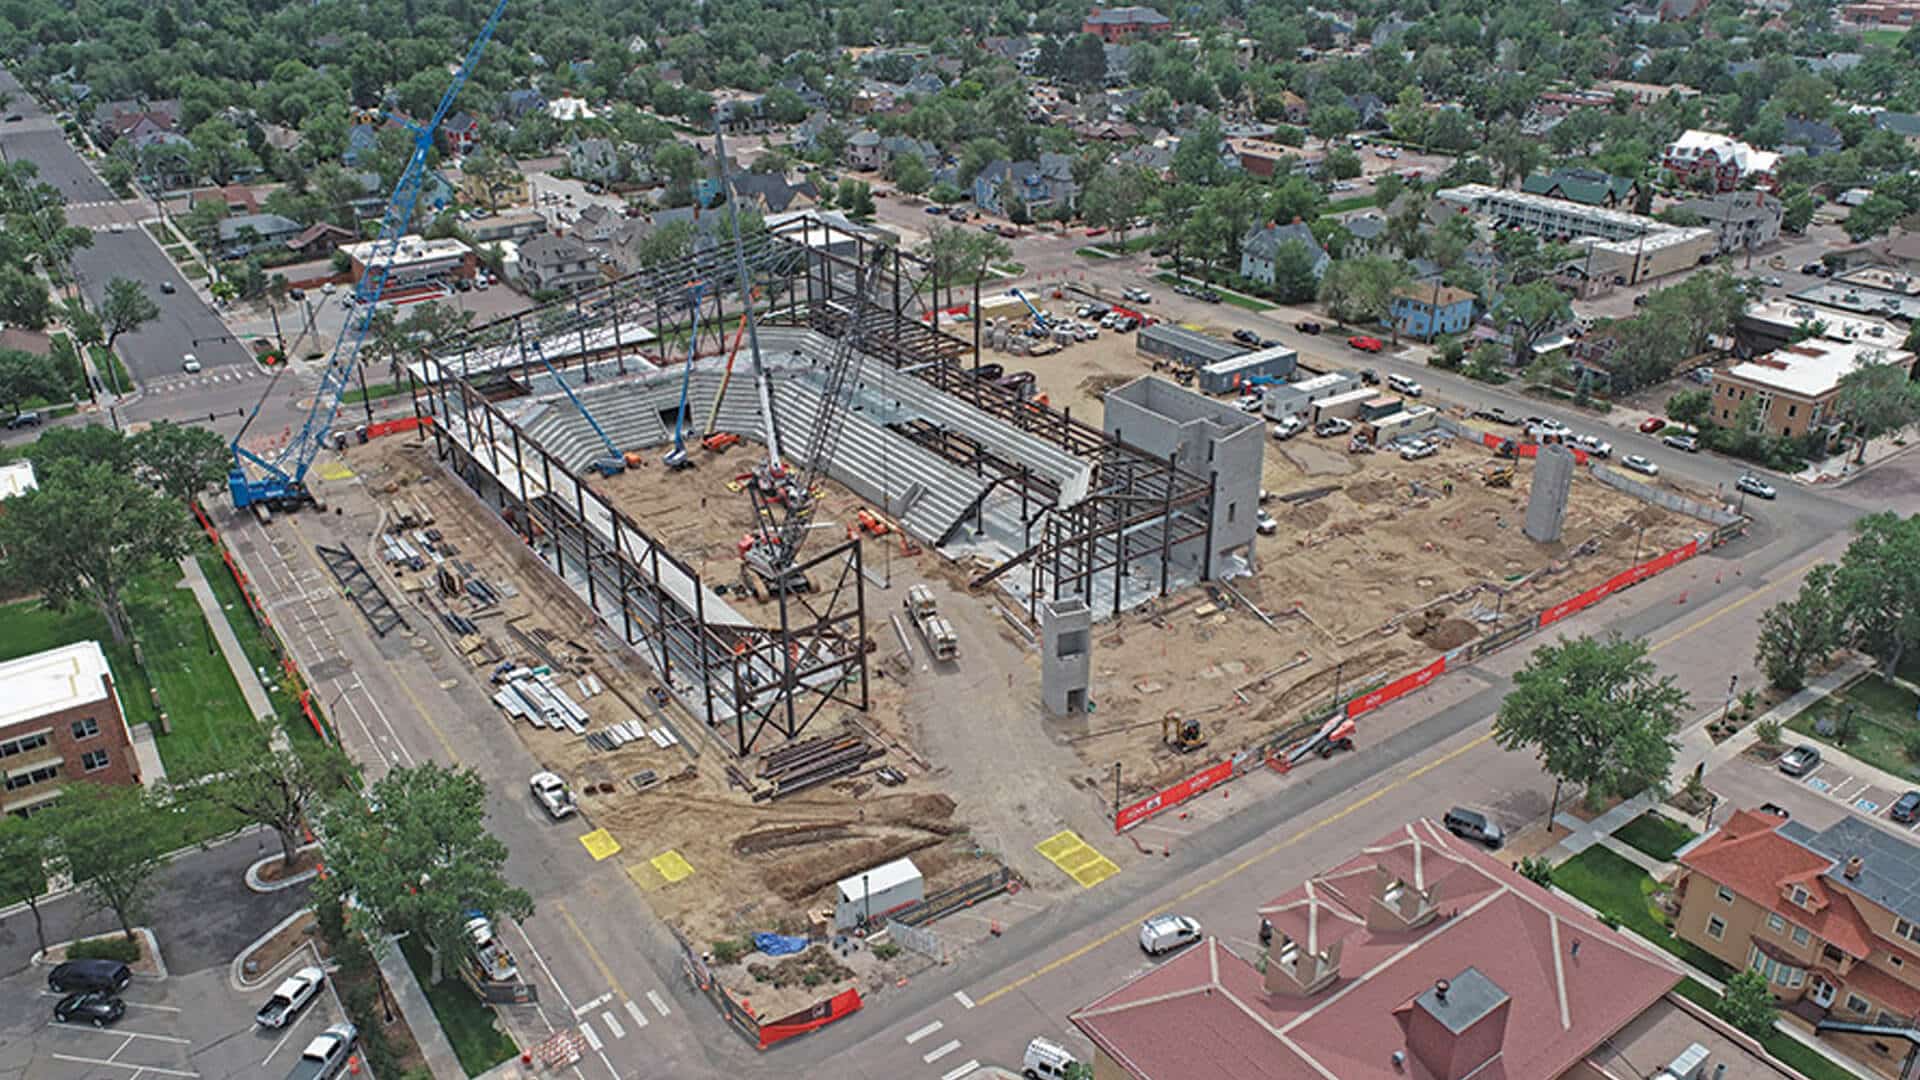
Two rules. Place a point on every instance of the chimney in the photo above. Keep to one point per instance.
(1457, 1027)
(1396, 906)
(1293, 971)
(1852, 871)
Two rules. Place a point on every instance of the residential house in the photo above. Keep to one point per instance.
(1261, 245)
(1814, 137)
(1294, 107)
(244, 234)
(875, 97)
(512, 191)
(773, 193)
(925, 84)
(1038, 185)
(1793, 389)
(461, 133)
(806, 133)
(1119, 65)
(596, 159)
(863, 150)
(282, 139)
(596, 224)
(1891, 14)
(1257, 157)
(519, 103)
(1389, 30)
(1422, 957)
(813, 99)
(233, 198)
(737, 110)
(556, 264)
(1125, 23)
(1588, 187)
(319, 240)
(1424, 311)
(1830, 917)
(1366, 234)
(1905, 125)
(569, 109)
(61, 721)
(1745, 220)
(1726, 160)
(115, 120)
(1371, 110)
(1155, 156)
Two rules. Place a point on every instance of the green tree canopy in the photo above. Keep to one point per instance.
(1597, 714)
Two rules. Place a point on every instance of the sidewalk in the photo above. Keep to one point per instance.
(243, 673)
(412, 1000)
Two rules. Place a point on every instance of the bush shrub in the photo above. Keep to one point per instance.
(125, 950)
(1537, 869)
(729, 950)
(1769, 732)
(364, 1009)
(1910, 744)
(886, 950)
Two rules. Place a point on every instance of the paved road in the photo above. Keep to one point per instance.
(186, 324)
(37, 137)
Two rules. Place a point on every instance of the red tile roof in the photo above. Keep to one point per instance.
(1885, 991)
(1207, 1013)
(1748, 855)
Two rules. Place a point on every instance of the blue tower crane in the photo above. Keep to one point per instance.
(282, 484)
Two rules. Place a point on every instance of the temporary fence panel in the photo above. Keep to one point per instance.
(1405, 684)
(1633, 575)
(1173, 795)
(395, 427)
(1527, 449)
(819, 1015)
(918, 938)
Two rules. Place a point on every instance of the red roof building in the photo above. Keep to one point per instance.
(1421, 957)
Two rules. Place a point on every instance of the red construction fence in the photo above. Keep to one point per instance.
(1527, 449)
(819, 1015)
(395, 427)
(1219, 773)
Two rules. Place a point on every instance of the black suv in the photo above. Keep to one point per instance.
(89, 975)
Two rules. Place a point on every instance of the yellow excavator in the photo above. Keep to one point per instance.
(1182, 734)
(1497, 474)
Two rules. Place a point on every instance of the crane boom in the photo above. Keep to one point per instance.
(284, 485)
(761, 384)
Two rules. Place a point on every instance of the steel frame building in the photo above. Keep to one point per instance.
(722, 666)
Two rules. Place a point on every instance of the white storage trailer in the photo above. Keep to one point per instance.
(876, 892)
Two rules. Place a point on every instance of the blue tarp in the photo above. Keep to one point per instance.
(778, 944)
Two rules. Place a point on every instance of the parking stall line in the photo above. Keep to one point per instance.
(132, 1068)
(130, 1035)
(271, 1054)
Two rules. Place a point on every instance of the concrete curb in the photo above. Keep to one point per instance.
(39, 957)
(236, 970)
(260, 885)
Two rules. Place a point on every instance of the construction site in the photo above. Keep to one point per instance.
(786, 591)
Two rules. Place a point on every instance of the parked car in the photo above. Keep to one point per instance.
(1651, 424)
(1364, 343)
(1595, 445)
(1165, 933)
(1246, 337)
(96, 1007)
(934, 211)
(1753, 485)
(1288, 427)
(1640, 465)
(326, 1055)
(1097, 230)
(1307, 326)
(1683, 442)
(1248, 403)
(109, 975)
(167, 287)
(1265, 523)
(1474, 825)
(1046, 1060)
(1800, 760)
(1810, 268)
(1210, 296)
(1331, 426)
(25, 420)
(1417, 449)
(292, 995)
(552, 793)
(1400, 384)
(1368, 376)
(1546, 425)
(956, 215)
(1270, 343)
(1906, 809)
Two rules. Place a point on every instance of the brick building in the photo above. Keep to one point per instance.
(60, 721)
(1125, 23)
(1793, 388)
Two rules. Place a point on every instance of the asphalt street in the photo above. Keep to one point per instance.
(186, 324)
(36, 137)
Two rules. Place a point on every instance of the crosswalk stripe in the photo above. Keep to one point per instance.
(956, 1074)
(633, 1010)
(940, 1051)
(613, 1025)
(924, 1032)
(658, 1002)
(961, 997)
(593, 1039)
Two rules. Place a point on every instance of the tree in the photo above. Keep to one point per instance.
(856, 198)
(1514, 154)
(1597, 714)
(1293, 279)
(946, 194)
(1358, 291)
(23, 298)
(1342, 163)
(1748, 1004)
(1875, 400)
(28, 859)
(125, 307)
(1873, 217)
(111, 839)
(181, 460)
(420, 860)
(84, 533)
(495, 171)
(1799, 633)
(275, 788)
(25, 376)
(1690, 407)
(1878, 585)
(910, 174)
(1528, 311)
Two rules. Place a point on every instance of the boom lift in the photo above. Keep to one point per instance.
(1039, 317)
(615, 462)
(677, 457)
(284, 483)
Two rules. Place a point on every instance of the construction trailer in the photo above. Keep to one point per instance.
(1184, 346)
(1227, 376)
(873, 893)
(1295, 399)
(1342, 406)
(952, 458)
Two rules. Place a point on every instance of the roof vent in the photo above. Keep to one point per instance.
(1853, 868)
(1440, 987)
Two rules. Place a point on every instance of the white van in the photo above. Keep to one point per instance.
(1403, 385)
(1165, 933)
(1046, 1060)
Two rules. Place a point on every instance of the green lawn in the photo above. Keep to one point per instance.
(375, 392)
(160, 233)
(1094, 253)
(1132, 244)
(468, 1022)
(194, 271)
(28, 627)
(1889, 38)
(1654, 835)
(1613, 886)
(1883, 717)
(112, 371)
(253, 641)
(1787, 1049)
(1244, 302)
(1351, 202)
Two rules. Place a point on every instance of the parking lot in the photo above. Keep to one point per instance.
(183, 1026)
(1820, 798)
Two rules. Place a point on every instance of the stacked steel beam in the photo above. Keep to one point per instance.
(811, 762)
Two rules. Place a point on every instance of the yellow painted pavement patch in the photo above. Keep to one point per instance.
(334, 470)
(672, 866)
(600, 844)
(1076, 858)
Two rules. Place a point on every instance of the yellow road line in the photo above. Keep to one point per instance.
(1339, 815)
(1223, 876)
(592, 953)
